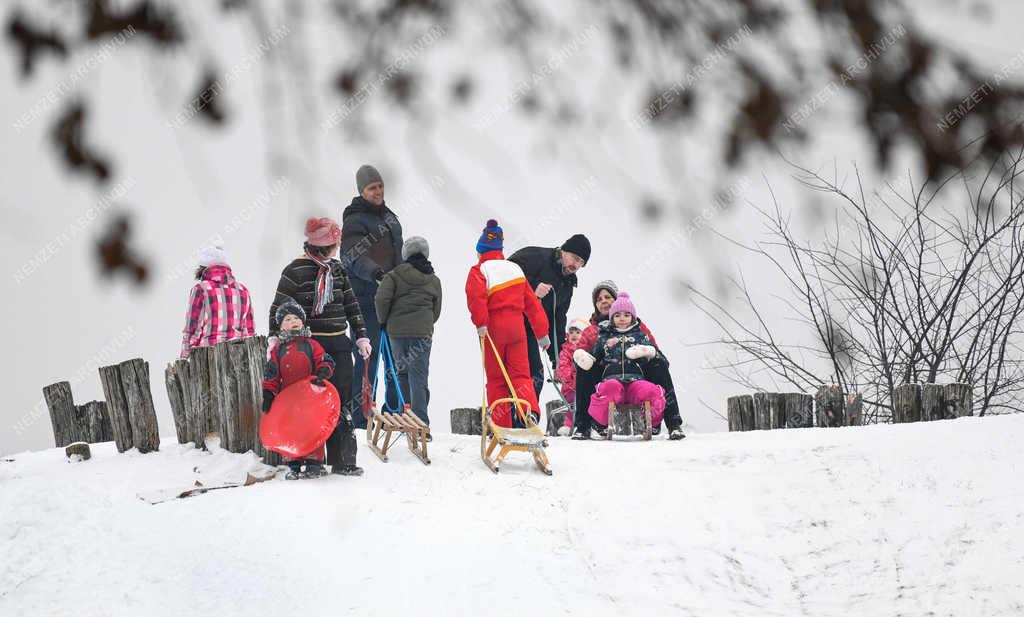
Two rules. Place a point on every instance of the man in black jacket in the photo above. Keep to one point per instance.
(371, 245)
(551, 273)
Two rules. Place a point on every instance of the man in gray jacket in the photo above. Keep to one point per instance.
(408, 304)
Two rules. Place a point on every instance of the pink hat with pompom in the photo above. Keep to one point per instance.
(322, 231)
(622, 304)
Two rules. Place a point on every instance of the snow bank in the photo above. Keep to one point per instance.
(922, 519)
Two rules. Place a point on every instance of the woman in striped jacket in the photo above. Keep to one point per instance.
(219, 307)
(319, 284)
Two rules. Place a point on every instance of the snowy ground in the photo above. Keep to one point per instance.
(922, 519)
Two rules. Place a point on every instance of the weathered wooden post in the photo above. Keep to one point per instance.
(768, 410)
(96, 421)
(63, 415)
(176, 396)
(554, 413)
(958, 400)
(854, 409)
(906, 403)
(78, 451)
(117, 406)
(740, 410)
(466, 421)
(799, 410)
(932, 403)
(141, 413)
(830, 406)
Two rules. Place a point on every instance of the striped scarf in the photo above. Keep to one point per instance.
(324, 284)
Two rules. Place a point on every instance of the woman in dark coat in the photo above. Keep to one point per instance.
(318, 283)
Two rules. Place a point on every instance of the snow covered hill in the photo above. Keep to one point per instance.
(922, 519)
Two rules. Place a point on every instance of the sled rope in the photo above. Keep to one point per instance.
(384, 351)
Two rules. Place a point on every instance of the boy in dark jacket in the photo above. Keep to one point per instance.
(408, 304)
(293, 357)
(622, 351)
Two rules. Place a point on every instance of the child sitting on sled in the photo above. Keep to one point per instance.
(293, 356)
(622, 349)
(567, 369)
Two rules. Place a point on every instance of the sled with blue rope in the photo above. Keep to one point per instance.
(501, 439)
(385, 426)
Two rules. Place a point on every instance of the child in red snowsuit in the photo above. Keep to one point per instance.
(566, 372)
(294, 357)
(498, 295)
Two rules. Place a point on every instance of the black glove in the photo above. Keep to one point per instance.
(268, 399)
(378, 275)
(318, 381)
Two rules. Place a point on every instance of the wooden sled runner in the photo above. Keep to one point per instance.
(530, 439)
(630, 420)
(388, 426)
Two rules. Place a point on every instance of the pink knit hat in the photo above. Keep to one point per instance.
(322, 232)
(622, 304)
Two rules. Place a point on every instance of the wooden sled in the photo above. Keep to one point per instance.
(629, 420)
(530, 439)
(384, 426)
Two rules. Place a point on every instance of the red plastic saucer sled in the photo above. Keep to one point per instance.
(301, 418)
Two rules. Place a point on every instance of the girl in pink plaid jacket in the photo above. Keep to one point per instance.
(219, 307)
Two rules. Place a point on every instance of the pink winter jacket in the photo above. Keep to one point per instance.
(219, 309)
(567, 367)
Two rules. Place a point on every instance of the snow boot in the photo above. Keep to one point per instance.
(563, 431)
(347, 470)
(676, 434)
(581, 435)
(313, 470)
(294, 471)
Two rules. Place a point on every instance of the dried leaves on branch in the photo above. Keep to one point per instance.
(923, 286)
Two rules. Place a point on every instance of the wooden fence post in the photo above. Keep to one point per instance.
(906, 403)
(466, 421)
(176, 396)
(740, 411)
(141, 413)
(63, 415)
(768, 410)
(117, 406)
(958, 399)
(96, 421)
(799, 410)
(830, 406)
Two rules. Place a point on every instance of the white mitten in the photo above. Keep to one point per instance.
(641, 351)
(583, 359)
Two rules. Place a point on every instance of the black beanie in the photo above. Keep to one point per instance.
(289, 307)
(579, 245)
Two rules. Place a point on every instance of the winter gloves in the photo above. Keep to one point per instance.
(582, 358)
(268, 399)
(364, 347)
(378, 274)
(544, 342)
(637, 352)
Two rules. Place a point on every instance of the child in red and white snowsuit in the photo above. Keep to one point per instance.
(622, 350)
(566, 372)
(498, 295)
(293, 357)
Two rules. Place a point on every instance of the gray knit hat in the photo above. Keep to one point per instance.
(289, 307)
(608, 285)
(413, 245)
(367, 174)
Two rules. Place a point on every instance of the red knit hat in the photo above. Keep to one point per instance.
(322, 232)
